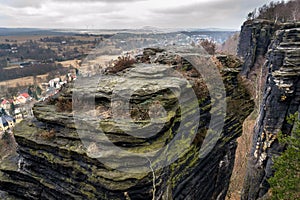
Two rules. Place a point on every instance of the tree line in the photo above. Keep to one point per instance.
(33, 70)
(280, 11)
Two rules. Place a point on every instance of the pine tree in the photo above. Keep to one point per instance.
(285, 184)
(12, 108)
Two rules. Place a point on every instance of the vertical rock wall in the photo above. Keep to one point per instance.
(255, 38)
(281, 98)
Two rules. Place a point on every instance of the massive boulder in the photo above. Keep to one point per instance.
(65, 154)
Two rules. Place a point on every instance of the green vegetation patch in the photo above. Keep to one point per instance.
(285, 185)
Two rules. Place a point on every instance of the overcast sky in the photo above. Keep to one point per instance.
(108, 14)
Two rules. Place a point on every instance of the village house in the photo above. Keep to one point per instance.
(21, 111)
(14, 49)
(5, 104)
(6, 121)
(54, 82)
(23, 98)
(57, 83)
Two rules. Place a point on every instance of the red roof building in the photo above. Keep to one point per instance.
(26, 95)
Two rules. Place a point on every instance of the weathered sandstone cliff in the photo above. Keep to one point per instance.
(53, 163)
(281, 43)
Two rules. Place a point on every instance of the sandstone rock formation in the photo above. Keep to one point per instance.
(255, 38)
(53, 163)
(280, 96)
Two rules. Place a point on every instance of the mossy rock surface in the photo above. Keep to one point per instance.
(59, 165)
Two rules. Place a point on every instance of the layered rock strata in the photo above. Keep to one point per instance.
(280, 99)
(64, 154)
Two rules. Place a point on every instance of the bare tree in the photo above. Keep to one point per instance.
(280, 11)
(209, 46)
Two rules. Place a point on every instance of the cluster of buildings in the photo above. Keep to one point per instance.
(8, 48)
(55, 85)
(18, 106)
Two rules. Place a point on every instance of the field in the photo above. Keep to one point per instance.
(23, 81)
(29, 80)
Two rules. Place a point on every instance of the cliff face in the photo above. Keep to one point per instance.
(53, 163)
(281, 97)
(255, 37)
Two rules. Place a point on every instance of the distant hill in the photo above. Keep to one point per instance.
(218, 36)
(215, 33)
(28, 31)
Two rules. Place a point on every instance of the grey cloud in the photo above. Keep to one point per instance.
(220, 13)
(106, 1)
(193, 8)
(211, 8)
(113, 14)
(38, 3)
(21, 3)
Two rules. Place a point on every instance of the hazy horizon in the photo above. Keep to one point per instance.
(150, 28)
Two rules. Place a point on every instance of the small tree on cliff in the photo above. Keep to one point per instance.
(249, 16)
(252, 15)
(280, 11)
(285, 185)
(12, 109)
(209, 46)
(121, 63)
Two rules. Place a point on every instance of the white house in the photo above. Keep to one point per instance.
(6, 122)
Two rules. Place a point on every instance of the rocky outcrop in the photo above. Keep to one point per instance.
(255, 37)
(70, 155)
(281, 98)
